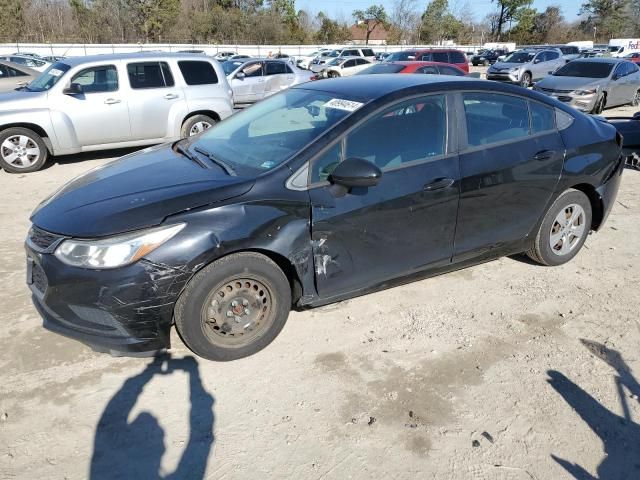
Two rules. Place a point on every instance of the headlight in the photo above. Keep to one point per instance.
(114, 252)
(514, 69)
(585, 92)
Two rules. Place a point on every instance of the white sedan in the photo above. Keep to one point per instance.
(344, 67)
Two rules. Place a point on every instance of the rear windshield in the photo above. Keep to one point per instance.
(49, 78)
(382, 68)
(585, 69)
(401, 56)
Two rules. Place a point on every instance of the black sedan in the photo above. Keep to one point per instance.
(326, 191)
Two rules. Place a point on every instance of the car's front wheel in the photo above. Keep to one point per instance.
(22, 150)
(197, 124)
(564, 229)
(636, 99)
(526, 81)
(234, 307)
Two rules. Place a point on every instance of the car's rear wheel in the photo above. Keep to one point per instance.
(22, 150)
(564, 229)
(196, 124)
(525, 81)
(234, 307)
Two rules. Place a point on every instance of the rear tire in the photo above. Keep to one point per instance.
(234, 307)
(22, 150)
(196, 124)
(564, 229)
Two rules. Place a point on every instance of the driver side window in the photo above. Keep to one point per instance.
(253, 70)
(97, 79)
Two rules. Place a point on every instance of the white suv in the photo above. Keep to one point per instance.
(110, 101)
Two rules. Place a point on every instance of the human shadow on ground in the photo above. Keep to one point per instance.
(134, 450)
(620, 435)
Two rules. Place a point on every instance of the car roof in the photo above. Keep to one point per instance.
(73, 61)
(421, 63)
(599, 60)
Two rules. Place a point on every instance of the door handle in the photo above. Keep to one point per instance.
(544, 155)
(439, 184)
(171, 96)
(111, 101)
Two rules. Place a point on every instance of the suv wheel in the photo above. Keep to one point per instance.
(564, 229)
(525, 81)
(22, 150)
(234, 307)
(196, 124)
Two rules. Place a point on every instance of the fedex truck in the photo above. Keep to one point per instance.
(619, 47)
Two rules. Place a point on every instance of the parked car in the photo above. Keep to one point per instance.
(318, 64)
(429, 68)
(344, 67)
(526, 66)
(592, 84)
(441, 55)
(304, 61)
(255, 79)
(222, 56)
(54, 58)
(34, 63)
(110, 101)
(629, 128)
(380, 56)
(295, 203)
(487, 57)
(632, 57)
(569, 52)
(13, 76)
(194, 51)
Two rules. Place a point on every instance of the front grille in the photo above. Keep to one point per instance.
(39, 278)
(551, 90)
(42, 240)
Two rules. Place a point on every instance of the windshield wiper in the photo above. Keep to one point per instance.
(221, 163)
(185, 151)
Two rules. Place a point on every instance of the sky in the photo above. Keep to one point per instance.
(341, 9)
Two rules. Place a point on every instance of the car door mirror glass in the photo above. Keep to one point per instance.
(537, 60)
(73, 89)
(355, 172)
(240, 75)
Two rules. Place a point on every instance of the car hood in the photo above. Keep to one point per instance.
(136, 191)
(21, 99)
(569, 83)
(506, 66)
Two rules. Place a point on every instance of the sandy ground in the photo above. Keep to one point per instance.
(502, 371)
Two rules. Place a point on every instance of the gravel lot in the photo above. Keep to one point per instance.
(506, 370)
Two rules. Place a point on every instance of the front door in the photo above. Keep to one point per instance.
(510, 166)
(100, 114)
(404, 224)
(249, 87)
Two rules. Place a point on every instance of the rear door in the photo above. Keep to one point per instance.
(277, 77)
(405, 223)
(155, 98)
(510, 164)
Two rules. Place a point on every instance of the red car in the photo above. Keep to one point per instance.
(433, 68)
(440, 55)
(633, 57)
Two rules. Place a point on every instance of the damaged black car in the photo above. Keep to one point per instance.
(326, 191)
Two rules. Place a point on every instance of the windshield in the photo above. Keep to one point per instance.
(231, 65)
(613, 49)
(585, 69)
(400, 56)
(519, 57)
(382, 68)
(267, 134)
(49, 78)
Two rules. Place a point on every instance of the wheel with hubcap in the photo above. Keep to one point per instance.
(636, 99)
(525, 81)
(196, 124)
(563, 230)
(22, 150)
(234, 307)
(333, 75)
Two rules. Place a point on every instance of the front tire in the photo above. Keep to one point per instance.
(22, 150)
(525, 81)
(636, 99)
(564, 229)
(599, 106)
(196, 124)
(234, 307)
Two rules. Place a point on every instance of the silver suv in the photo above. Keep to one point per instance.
(526, 66)
(110, 101)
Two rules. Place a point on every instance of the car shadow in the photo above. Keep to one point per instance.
(620, 435)
(81, 157)
(134, 449)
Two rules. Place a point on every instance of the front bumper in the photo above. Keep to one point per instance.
(508, 77)
(124, 310)
(584, 103)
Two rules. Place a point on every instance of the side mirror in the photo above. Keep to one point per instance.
(73, 89)
(615, 77)
(355, 172)
(240, 76)
(537, 60)
(550, 72)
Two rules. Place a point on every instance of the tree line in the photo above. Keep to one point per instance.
(280, 22)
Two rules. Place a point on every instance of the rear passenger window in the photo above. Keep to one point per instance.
(149, 75)
(543, 118)
(441, 57)
(367, 52)
(493, 118)
(97, 79)
(276, 68)
(197, 72)
(429, 70)
(446, 70)
(426, 57)
(457, 57)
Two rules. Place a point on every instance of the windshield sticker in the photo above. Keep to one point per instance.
(267, 164)
(55, 72)
(341, 104)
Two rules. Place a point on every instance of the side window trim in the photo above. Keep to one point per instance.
(449, 144)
